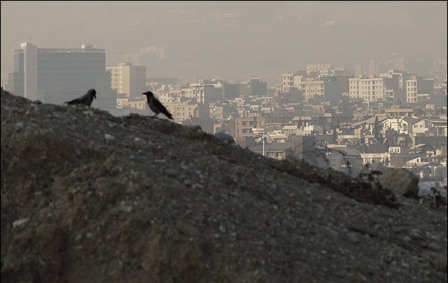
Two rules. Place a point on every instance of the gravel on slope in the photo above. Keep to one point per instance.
(89, 197)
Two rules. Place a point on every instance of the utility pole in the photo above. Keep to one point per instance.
(264, 138)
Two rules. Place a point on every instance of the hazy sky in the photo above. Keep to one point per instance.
(231, 39)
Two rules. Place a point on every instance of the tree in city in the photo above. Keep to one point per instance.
(376, 129)
(335, 134)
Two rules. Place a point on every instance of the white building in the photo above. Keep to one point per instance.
(397, 124)
(417, 126)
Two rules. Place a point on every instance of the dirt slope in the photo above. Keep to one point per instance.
(88, 197)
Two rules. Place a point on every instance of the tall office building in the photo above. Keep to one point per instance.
(128, 79)
(57, 75)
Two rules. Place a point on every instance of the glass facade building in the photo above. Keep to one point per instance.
(57, 75)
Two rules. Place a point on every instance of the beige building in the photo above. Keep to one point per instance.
(368, 89)
(309, 87)
(287, 81)
(124, 102)
(318, 67)
(183, 111)
(369, 158)
(411, 91)
(203, 92)
(244, 126)
(395, 111)
(128, 79)
(373, 68)
(357, 69)
(312, 88)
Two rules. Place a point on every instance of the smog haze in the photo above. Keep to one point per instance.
(229, 40)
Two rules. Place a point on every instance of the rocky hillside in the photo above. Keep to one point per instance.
(89, 197)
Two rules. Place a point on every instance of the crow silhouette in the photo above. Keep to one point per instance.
(86, 99)
(156, 106)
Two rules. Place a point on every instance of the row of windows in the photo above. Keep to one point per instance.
(365, 87)
(183, 108)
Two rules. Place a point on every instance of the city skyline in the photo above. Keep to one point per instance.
(190, 40)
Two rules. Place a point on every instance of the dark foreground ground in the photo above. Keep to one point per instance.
(88, 197)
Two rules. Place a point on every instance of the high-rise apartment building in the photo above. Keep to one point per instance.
(128, 79)
(57, 75)
(411, 91)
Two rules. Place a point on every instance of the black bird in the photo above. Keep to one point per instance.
(86, 99)
(156, 106)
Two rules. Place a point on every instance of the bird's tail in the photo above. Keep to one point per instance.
(74, 101)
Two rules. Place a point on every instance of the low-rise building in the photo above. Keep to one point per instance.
(279, 151)
(183, 111)
(243, 126)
